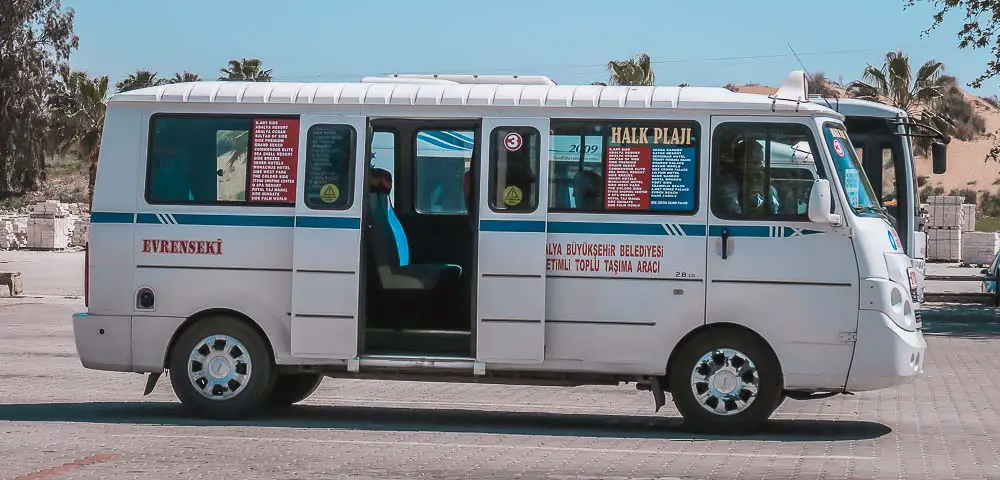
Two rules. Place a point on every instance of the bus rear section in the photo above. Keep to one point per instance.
(256, 247)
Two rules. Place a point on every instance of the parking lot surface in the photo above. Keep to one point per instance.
(59, 420)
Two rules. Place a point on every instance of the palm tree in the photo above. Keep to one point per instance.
(247, 70)
(81, 118)
(637, 70)
(139, 79)
(184, 77)
(893, 83)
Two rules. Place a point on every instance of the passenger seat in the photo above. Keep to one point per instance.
(390, 247)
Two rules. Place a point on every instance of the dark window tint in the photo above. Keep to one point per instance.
(222, 159)
(624, 166)
(514, 159)
(330, 158)
(763, 171)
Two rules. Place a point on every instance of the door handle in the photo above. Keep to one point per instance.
(725, 243)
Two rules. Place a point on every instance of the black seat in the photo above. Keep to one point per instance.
(391, 250)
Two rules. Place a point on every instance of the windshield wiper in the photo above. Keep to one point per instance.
(872, 209)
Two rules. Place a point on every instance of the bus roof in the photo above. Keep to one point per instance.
(405, 93)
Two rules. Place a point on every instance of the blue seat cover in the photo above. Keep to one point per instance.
(402, 245)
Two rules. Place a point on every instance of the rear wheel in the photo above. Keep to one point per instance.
(220, 367)
(725, 381)
(293, 388)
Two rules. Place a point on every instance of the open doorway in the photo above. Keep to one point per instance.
(420, 238)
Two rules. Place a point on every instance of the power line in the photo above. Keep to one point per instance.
(584, 67)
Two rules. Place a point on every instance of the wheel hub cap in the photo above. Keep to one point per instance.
(219, 367)
(725, 381)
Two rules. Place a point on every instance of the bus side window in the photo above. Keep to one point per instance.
(384, 155)
(514, 159)
(442, 158)
(329, 167)
(576, 180)
(762, 170)
(198, 159)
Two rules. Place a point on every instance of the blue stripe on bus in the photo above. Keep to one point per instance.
(524, 226)
(112, 217)
(608, 228)
(350, 223)
(510, 226)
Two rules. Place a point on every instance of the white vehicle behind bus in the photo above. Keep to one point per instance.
(881, 135)
(725, 248)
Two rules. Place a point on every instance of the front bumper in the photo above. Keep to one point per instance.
(885, 355)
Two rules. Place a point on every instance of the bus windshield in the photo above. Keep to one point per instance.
(849, 171)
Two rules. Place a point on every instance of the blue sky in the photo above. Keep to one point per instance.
(568, 40)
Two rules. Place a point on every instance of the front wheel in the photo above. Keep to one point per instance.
(221, 368)
(725, 381)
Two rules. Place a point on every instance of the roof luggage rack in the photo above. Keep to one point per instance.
(461, 79)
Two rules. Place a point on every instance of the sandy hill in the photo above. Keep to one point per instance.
(967, 164)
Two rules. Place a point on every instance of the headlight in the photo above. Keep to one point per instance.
(890, 298)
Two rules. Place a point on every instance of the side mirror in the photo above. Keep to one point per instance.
(820, 203)
(939, 156)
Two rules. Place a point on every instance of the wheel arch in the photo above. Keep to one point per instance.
(712, 327)
(215, 312)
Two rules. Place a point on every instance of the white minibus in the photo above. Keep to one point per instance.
(251, 239)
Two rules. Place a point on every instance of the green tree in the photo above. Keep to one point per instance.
(36, 39)
(980, 29)
(894, 83)
(184, 77)
(245, 70)
(139, 79)
(637, 70)
(78, 118)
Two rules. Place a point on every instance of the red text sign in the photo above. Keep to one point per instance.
(274, 160)
(183, 247)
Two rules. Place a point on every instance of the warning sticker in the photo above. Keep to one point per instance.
(512, 195)
(329, 193)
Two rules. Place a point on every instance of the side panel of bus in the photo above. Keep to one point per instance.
(625, 257)
(771, 269)
(104, 336)
(326, 255)
(510, 305)
(214, 223)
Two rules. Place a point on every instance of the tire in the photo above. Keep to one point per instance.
(238, 353)
(732, 344)
(293, 388)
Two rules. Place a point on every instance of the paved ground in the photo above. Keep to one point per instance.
(58, 420)
(951, 269)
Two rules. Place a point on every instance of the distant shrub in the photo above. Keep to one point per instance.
(929, 191)
(969, 194)
(993, 101)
